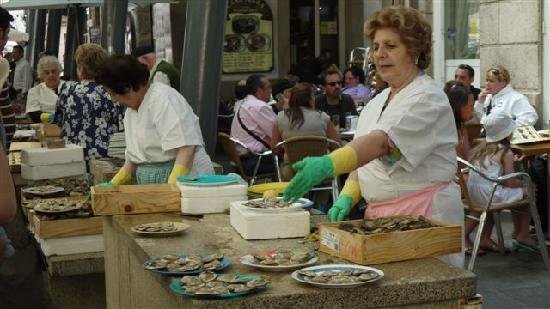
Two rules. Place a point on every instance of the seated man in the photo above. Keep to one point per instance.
(253, 124)
(333, 102)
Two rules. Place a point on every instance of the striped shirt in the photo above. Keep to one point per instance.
(8, 115)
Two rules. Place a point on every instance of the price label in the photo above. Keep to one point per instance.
(330, 240)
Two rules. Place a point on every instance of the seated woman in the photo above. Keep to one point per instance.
(43, 97)
(462, 103)
(163, 136)
(301, 119)
(85, 112)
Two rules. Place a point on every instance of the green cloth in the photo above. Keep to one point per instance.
(151, 173)
(170, 71)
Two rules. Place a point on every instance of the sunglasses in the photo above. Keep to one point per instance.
(494, 71)
(332, 84)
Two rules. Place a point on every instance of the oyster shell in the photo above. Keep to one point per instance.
(207, 276)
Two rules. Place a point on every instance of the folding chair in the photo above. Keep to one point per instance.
(229, 145)
(298, 147)
(496, 208)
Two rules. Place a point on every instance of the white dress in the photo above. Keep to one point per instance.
(480, 188)
(420, 122)
(163, 123)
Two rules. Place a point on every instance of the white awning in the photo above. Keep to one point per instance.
(59, 4)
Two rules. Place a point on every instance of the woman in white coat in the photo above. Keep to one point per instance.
(403, 157)
(499, 95)
(163, 137)
(43, 97)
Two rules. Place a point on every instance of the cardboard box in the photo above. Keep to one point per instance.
(389, 247)
(135, 199)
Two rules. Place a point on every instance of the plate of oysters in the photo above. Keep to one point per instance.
(280, 260)
(337, 275)
(43, 190)
(218, 286)
(276, 204)
(55, 206)
(163, 228)
(191, 264)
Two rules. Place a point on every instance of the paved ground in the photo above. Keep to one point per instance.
(515, 280)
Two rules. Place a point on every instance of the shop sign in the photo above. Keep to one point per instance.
(248, 41)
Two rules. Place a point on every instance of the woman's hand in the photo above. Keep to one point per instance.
(483, 95)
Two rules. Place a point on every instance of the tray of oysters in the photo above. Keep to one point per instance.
(276, 204)
(163, 228)
(280, 260)
(337, 275)
(528, 134)
(58, 205)
(387, 225)
(43, 190)
(192, 264)
(218, 286)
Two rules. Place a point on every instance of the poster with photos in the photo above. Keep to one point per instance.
(248, 40)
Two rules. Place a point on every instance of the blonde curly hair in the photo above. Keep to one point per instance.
(90, 56)
(415, 31)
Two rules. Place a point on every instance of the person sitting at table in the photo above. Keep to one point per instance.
(301, 119)
(462, 103)
(42, 98)
(163, 136)
(355, 84)
(499, 95)
(333, 102)
(495, 158)
(84, 111)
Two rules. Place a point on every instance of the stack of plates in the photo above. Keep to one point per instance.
(117, 146)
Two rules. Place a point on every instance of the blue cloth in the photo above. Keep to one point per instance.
(88, 117)
(8, 248)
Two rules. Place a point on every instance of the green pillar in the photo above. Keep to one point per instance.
(202, 63)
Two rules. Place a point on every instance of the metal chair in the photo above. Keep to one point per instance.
(496, 208)
(229, 145)
(298, 147)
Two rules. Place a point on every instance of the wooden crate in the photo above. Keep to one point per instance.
(61, 228)
(135, 199)
(49, 129)
(103, 170)
(389, 247)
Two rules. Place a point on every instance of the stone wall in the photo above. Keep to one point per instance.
(511, 35)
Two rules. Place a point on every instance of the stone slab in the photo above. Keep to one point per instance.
(48, 156)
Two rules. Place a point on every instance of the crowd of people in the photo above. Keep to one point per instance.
(402, 159)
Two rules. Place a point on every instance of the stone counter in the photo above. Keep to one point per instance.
(422, 283)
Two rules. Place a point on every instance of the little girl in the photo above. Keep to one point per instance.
(494, 158)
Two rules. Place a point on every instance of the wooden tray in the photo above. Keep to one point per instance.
(389, 247)
(135, 199)
(528, 135)
(66, 227)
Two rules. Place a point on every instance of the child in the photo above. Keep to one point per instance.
(494, 158)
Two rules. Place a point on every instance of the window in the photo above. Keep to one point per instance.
(462, 29)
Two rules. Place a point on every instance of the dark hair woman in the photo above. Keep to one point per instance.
(462, 103)
(302, 119)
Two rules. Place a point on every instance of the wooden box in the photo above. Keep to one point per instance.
(135, 199)
(103, 170)
(389, 247)
(49, 129)
(56, 143)
(61, 228)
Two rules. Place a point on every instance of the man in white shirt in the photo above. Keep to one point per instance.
(22, 77)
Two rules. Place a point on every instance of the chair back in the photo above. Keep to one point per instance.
(230, 149)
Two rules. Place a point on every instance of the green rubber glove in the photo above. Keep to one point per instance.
(340, 209)
(311, 172)
(105, 184)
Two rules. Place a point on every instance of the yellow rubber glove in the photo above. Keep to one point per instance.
(122, 177)
(313, 170)
(46, 117)
(177, 171)
(349, 196)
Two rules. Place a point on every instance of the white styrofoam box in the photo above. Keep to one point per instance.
(213, 191)
(49, 156)
(52, 171)
(208, 205)
(72, 245)
(262, 225)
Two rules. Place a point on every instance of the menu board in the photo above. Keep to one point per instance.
(248, 41)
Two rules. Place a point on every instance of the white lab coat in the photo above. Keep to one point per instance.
(163, 123)
(513, 103)
(41, 98)
(420, 122)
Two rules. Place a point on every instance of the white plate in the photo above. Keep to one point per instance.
(179, 227)
(249, 260)
(328, 267)
(34, 190)
(300, 204)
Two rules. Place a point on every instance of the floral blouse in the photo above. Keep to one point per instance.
(88, 117)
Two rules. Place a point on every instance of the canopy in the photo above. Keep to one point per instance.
(59, 4)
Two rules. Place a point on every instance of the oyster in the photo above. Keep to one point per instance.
(207, 276)
(256, 283)
(174, 263)
(369, 275)
(387, 224)
(212, 257)
(339, 276)
(212, 265)
(283, 257)
(237, 288)
(191, 281)
(307, 273)
(265, 203)
(210, 283)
